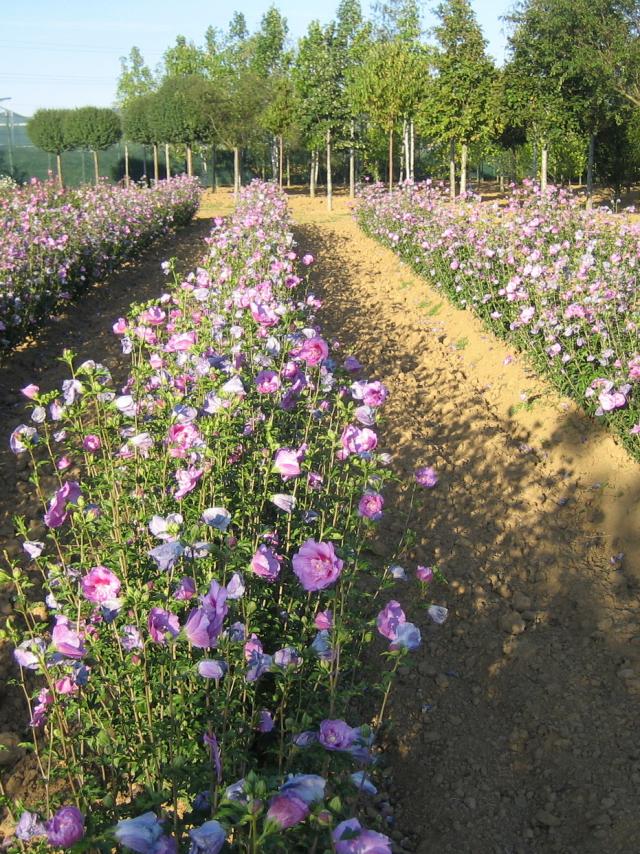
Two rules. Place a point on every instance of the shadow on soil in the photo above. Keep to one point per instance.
(515, 729)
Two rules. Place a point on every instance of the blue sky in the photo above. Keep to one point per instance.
(55, 54)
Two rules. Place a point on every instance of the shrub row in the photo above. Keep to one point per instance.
(556, 280)
(210, 602)
(53, 242)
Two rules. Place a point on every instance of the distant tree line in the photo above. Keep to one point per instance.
(378, 96)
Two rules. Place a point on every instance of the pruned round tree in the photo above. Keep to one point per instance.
(181, 113)
(137, 127)
(93, 128)
(46, 129)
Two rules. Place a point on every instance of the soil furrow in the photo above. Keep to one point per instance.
(514, 730)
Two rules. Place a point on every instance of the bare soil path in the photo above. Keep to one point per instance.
(516, 727)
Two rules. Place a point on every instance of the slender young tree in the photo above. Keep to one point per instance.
(135, 80)
(183, 59)
(388, 87)
(321, 86)
(459, 110)
(135, 77)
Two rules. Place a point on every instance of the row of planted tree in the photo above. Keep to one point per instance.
(380, 96)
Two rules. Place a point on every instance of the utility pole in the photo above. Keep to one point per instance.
(9, 122)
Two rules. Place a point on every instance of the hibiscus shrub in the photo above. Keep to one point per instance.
(205, 571)
(558, 281)
(55, 242)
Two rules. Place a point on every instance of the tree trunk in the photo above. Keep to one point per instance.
(126, 165)
(544, 155)
(391, 160)
(167, 160)
(452, 169)
(288, 173)
(59, 168)
(214, 180)
(405, 148)
(312, 176)
(535, 161)
(317, 166)
(189, 161)
(144, 163)
(502, 183)
(463, 168)
(352, 165)
(237, 182)
(96, 168)
(281, 161)
(329, 182)
(156, 168)
(592, 151)
(412, 150)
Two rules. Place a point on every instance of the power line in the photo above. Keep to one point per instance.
(54, 78)
(58, 48)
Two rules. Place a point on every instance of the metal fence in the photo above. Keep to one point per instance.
(20, 159)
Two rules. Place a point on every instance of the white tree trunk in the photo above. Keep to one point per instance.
(237, 181)
(167, 159)
(352, 165)
(312, 175)
(452, 169)
(463, 168)
(404, 172)
(412, 150)
(329, 183)
(590, 159)
(544, 156)
(126, 165)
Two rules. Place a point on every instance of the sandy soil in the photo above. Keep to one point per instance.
(515, 729)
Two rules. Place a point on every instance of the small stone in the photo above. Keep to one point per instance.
(547, 819)
(504, 591)
(599, 820)
(521, 602)
(512, 623)
(425, 668)
(442, 681)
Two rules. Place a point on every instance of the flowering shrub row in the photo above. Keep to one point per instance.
(558, 281)
(54, 242)
(207, 588)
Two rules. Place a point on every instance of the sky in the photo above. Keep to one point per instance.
(67, 54)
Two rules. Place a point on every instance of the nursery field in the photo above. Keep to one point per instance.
(267, 487)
